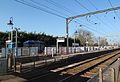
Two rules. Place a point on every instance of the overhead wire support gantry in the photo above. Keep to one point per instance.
(69, 19)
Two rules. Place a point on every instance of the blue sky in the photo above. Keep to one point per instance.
(33, 20)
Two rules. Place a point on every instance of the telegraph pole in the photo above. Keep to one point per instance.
(16, 48)
(16, 37)
(67, 36)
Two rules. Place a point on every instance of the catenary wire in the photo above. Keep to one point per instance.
(62, 7)
(90, 28)
(39, 8)
(34, 6)
(96, 7)
(47, 7)
(59, 6)
(93, 5)
(114, 10)
(94, 15)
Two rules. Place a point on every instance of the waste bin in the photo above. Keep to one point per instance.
(3, 66)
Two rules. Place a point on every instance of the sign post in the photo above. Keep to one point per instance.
(59, 40)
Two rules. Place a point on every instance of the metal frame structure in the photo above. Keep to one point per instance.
(69, 19)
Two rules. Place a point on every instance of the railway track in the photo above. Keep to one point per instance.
(76, 72)
(86, 71)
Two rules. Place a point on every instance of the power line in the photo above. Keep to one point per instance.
(39, 8)
(114, 10)
(97, 8)
(94, 15)
(90, 28)
(34, 6)
(53, 9)
(82, 5)
(81, 22)
(54, 3)
(93, 5)
(46, 7)
(59, 6)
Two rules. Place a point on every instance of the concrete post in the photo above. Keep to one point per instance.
(52, 50)
(100, 75)
(112, 72)
(45, 51)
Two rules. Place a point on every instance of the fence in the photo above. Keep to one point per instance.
(0, 54)
(110, 74)
(33, 51)
(3, 66)
(21, 51)
(63, 50)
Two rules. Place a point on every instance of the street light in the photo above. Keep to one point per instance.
(75, 37)
(74, 45)
(87, 42)
(10, 58)
(98, 42)
(11, 24)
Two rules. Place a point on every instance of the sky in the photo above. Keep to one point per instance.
(48, 16)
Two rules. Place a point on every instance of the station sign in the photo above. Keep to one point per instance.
(60, 39)
(8, 41)
(9, 44)
(75, 44)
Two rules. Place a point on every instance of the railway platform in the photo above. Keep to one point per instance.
(23, 77)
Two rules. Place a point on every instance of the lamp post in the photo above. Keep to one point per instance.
(10, 57)
(11, 24)
(75, 37)
(99, 43)
(87, 42)
(74, 45)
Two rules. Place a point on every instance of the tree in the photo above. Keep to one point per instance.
(103, 41)
(3, 38)
(84, 36)
(24, 36)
